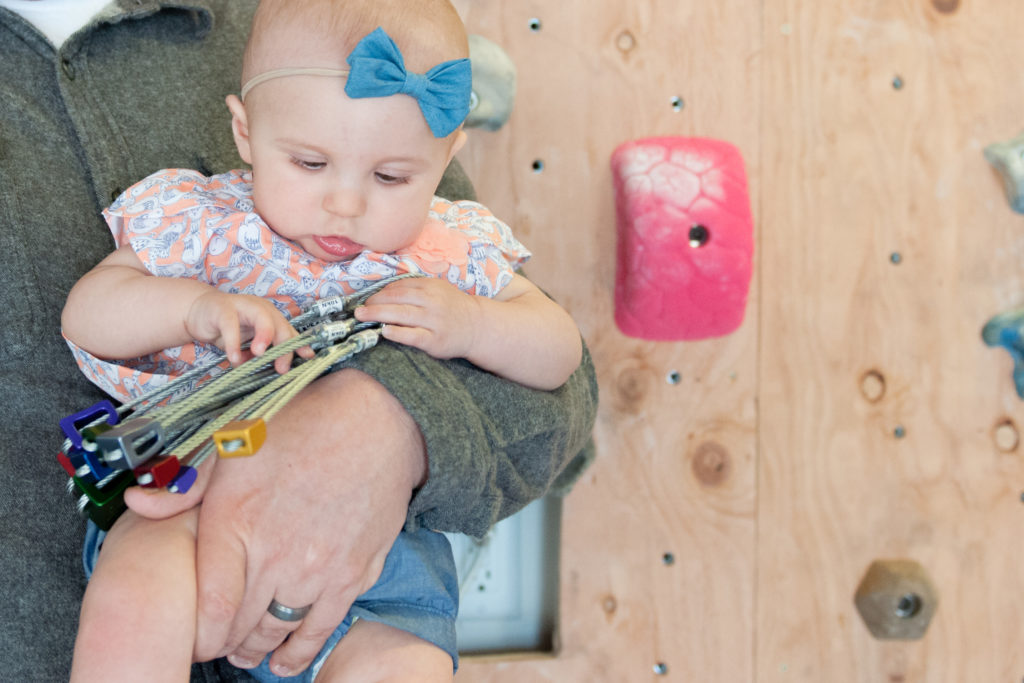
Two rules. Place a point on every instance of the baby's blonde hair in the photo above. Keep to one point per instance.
(322, 33)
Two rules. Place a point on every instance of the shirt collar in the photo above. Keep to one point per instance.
(129, 9)
(117, 11)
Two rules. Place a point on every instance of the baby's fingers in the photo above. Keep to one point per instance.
(283, 331)
(417, 337)
(394, 314)
(264, 333)
(231, 337)
(283, 364)
(396, 292)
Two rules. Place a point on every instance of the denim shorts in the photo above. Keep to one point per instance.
(417, 592)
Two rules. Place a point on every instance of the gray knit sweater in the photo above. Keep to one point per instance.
(138, 90)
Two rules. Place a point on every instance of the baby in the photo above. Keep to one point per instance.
(349, 113)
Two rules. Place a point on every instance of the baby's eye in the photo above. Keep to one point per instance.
(389, 179)
(308, 165)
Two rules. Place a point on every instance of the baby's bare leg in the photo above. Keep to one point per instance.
(139, 611)
(372, 652)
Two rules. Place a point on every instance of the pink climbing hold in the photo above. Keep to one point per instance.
(685, 238)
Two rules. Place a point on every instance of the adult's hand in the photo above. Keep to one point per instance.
(308, 520)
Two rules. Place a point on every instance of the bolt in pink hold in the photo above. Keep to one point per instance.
(685, 238)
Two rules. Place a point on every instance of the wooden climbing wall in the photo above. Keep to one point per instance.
(856, 415)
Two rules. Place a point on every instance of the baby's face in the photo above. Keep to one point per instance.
(338, 175)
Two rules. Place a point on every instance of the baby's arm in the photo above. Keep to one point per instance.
(521, 334)
(120, 310)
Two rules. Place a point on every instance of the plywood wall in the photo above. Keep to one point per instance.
(771, 473)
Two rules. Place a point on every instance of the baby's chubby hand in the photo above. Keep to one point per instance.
(431, 314)
(229, 320)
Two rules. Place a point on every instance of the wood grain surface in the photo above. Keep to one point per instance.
(856, 414)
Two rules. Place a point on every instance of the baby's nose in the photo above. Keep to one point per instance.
(345, 201)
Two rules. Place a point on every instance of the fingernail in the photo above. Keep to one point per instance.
(241, 662)
(281, 670)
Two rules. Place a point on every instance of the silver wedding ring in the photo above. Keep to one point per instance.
(288, 613)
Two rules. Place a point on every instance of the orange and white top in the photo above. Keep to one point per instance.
(181, 223)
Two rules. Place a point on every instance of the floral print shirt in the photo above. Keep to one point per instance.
(181, 223)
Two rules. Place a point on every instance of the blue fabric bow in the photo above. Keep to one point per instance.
(378, 70)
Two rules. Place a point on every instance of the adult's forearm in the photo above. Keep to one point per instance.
(493, 446)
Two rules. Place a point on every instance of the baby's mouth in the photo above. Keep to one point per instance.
(340, 247)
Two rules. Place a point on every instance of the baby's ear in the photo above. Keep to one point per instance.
(457, 143)
(239, 127)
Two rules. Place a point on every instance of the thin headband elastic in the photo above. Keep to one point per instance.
(296, 71)
(378, 70)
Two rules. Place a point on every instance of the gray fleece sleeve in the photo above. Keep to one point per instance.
(493, 445)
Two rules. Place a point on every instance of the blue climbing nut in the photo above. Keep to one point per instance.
(70, 424)
(183, 482)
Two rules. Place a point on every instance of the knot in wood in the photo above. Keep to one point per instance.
(711, 464)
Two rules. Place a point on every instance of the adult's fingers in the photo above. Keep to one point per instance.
(255, 631)
(269, 633)
(221, 577)
(305, 643)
